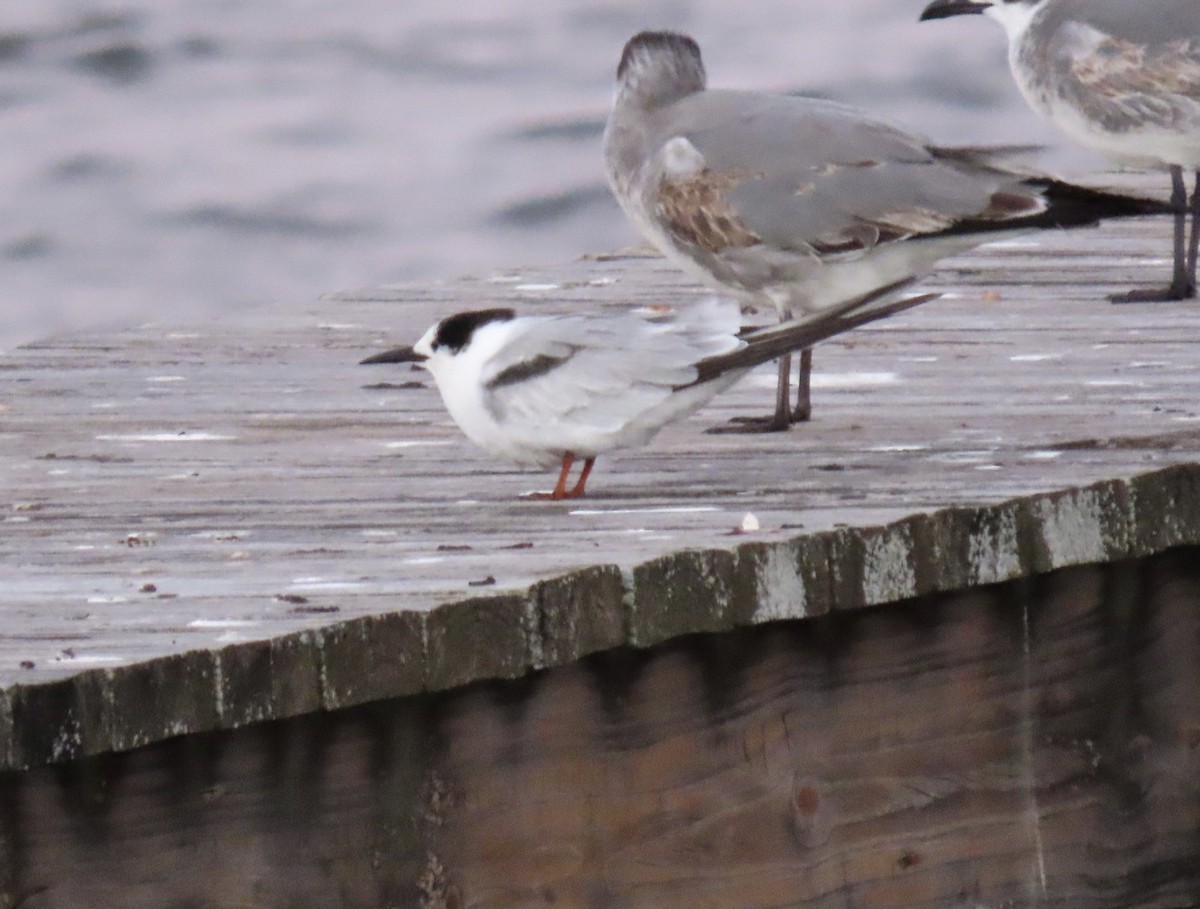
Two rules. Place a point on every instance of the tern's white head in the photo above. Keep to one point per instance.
(454, 338)
(458, 352)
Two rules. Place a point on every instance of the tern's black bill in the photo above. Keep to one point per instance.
(395, 355)
(944, 9)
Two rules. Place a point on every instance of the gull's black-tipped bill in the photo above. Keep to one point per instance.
(395, 355)
(944, 9)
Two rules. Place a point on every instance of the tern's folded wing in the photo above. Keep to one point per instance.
(597, 374)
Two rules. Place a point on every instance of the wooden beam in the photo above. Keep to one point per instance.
(1025, 744)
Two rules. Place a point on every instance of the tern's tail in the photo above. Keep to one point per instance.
(807, 330)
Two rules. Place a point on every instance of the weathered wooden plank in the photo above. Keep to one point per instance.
(174, 491)
(1035, 743)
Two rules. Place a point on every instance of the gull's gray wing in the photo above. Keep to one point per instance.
(1125, 66)
(1146, 22)
(599, 373)
(738, 169)
(775, 132)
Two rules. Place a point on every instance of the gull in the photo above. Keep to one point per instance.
(550, 390)
(799, 203)
(1121, 77)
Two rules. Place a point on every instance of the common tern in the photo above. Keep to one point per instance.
(1121, 77)
(800, 203)
(551, 390)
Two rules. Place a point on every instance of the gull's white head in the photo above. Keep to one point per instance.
(1014, 15)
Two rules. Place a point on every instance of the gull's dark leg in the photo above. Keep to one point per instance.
(1183, 284)
(783, 388)
(803, 411)
(1194, 247)
(777, 422)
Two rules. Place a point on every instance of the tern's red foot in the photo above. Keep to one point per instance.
(560, 490)
(552, 496)
(577, 492)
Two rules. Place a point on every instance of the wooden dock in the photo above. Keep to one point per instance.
(256, 599)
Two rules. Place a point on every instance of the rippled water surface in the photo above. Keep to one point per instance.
(176, 159)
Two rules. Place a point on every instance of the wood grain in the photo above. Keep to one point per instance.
(1035, 743)
(171, 488)
(1031, 744)
(203, 526)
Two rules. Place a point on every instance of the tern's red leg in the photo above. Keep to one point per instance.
(560, 488)
(577, 492)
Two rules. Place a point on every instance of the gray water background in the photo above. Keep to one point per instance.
(176, 160)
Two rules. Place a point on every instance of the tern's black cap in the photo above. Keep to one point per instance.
(454, 332)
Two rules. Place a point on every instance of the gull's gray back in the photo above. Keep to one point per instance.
(777, 133)
(794, 201)
(783, 181)
(1146, 22)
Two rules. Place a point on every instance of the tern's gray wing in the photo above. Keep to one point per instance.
(599, 373)
(741, 169)
(1124, 66)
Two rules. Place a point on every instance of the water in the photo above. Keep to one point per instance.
(179, 159)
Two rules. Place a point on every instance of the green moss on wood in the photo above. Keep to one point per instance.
(296, 674)
(1166, 508)
(373, 658)
(477, 639)
(166, 697)
(599, 608)
(683, 593)
(578, 614)
(778, 581)
(244, 684)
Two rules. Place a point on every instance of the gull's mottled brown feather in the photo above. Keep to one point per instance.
(695, 209)
(1123, 85)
